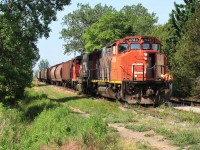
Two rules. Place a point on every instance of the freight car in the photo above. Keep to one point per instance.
(131, 69)
(71, 72)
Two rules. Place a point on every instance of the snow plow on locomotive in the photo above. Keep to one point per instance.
(131, 69)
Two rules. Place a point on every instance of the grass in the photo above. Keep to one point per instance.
(11, 126)
(184, 133)
(39, 120)
(138, 128)
(44, 118)
(59, 125)
(181, 116)
(179, 136)
(107, 110)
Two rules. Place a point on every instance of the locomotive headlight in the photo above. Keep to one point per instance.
(145, 54)
(135, 75)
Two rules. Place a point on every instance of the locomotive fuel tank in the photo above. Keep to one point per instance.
(106, 92)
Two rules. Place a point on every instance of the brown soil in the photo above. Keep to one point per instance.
(155, 141)
(189, 108)
(71, 146)
(62, 89)
(82, 113)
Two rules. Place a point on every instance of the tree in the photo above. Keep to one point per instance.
(115, 25)
(43, 64)
(77, 22)
(185, 63)
(107, 29)
(181, 47)
(161, 32)
(139, 19)
(22, 23)
(178, 18)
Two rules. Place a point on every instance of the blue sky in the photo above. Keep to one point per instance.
(52, 48)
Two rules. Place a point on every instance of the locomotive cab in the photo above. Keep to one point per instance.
(140, 59)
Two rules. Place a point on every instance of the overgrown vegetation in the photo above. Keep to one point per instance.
(48, 117)
(44, 118)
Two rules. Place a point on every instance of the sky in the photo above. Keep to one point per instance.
(52, 48)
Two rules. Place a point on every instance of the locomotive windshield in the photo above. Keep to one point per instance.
(122, 47)
(156, 47)
(135, 46)
(145, 46)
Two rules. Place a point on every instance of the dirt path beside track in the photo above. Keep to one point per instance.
(155, 141)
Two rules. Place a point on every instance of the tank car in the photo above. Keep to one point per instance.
(55, 73)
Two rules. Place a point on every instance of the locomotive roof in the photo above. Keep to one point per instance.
(125, 38)
(140, 38)
(111, 43)
(128, 37)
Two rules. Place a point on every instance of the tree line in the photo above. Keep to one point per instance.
(86, 29)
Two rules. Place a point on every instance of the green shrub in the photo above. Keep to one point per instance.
(58, 125)
(11, 127)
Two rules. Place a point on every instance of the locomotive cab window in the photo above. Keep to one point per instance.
(145, 46)
(135, 46)
(122, 47)
(156, 47)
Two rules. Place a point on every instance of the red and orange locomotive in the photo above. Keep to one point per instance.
(132, 69)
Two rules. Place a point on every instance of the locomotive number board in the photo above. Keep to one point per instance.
(148, 40)
(133, 40)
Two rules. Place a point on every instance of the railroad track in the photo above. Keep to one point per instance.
(172, 102)
(185, 102)
(145, 109)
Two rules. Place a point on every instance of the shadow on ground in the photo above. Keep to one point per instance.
(70, 98)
